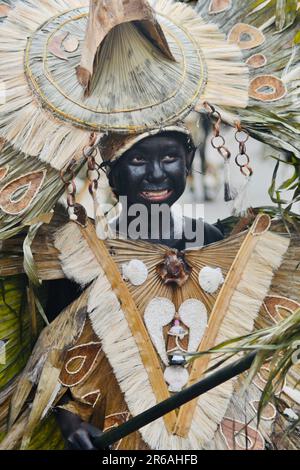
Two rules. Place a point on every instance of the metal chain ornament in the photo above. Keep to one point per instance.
(218, 143)
(93, 171)
(241, 204)
(242, 137)
(77, 212)
(94, 174)
(242, 160)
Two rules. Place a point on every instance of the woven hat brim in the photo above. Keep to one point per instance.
(113, 146)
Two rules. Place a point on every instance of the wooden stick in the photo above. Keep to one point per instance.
(156, 412)
(134, 319)
(261, 225)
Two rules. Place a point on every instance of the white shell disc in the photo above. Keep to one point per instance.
(135, 272)
(176, 377)
(210, 279)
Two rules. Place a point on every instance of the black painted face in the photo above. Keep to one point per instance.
(153, 171)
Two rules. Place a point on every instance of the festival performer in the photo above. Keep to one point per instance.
(120, 87)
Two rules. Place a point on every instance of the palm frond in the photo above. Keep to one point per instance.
(277, 346)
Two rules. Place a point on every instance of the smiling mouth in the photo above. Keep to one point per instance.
(157, 196)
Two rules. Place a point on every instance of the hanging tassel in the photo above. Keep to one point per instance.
(218, 143)
(230, 193)
(241, 202)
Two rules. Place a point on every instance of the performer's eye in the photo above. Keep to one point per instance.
(137, 160)
(169, 158)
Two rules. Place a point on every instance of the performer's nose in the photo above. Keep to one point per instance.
(156, 173)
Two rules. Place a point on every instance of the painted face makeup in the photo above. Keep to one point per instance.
(153, 171)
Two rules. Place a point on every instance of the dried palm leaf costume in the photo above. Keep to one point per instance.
(116, 72)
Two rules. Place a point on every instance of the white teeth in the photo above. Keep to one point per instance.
(156, 193)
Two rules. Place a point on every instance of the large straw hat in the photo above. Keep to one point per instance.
(146, 68)
(135, 86)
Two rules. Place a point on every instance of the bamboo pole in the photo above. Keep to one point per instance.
(261, 225)
(156, 412)
(134, 319)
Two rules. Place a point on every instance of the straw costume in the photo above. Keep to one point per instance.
(84, 83)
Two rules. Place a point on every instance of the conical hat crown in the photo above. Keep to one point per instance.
(104, 16)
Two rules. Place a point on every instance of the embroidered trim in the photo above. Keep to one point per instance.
(253, 405)
(253, 435)
(96, 393)
(17, 207)
(3, 172)
(75, 372)
(67, 378)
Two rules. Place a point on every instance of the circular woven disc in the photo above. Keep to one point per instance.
(135, 87)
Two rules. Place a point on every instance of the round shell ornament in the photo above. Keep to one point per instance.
(176, 377)
(210, 279)
(135, 272)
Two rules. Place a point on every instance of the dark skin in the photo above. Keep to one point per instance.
(154, 171)
(156, 163)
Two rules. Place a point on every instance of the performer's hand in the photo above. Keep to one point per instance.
(82, 438)
(77, 434)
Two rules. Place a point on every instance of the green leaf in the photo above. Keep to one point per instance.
(297, 38)
(286, 12)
